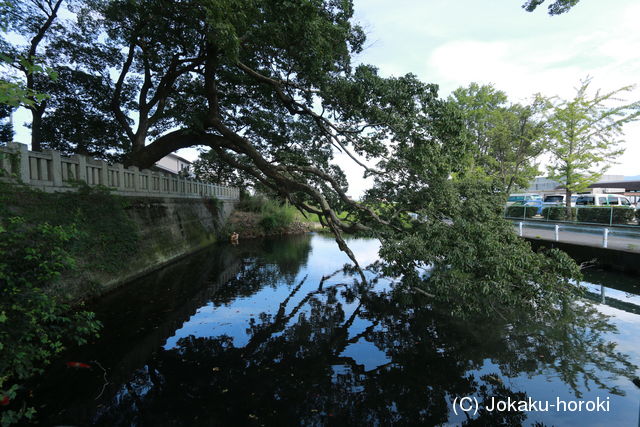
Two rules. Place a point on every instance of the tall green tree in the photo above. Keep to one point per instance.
(585, 135)
(36, 21)
(506, 139)
(77, 117)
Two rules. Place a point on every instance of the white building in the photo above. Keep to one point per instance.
(543, 186)
(174, 164)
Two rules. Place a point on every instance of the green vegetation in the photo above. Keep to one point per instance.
(274, 215)
(34, 325)
(106, 236)
(43, 236)
(521, 211)
(506, 137)
(606, 215)
(312, 217)
(6, 127)
(557, 213)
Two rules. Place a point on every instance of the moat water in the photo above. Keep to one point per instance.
(274, 332)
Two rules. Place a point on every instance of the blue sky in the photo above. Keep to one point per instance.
(453, 43)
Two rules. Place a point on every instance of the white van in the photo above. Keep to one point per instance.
(558, 200)
(603, 200)
(522, 198)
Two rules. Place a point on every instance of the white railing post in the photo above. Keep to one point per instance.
(557, 232)
(605, 239)
(120, 173)
(136, 177)
(520, 227)
(24, 174)
(145, 178)
(103, 172)
(611, 216)
(56, 168)
(82, 167)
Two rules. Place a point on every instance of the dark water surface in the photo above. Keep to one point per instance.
(257, 334)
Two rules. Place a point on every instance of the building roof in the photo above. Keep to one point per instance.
(179, 158)
(627, 185)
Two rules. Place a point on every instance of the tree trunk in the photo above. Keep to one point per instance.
(509, 186)
(146, 156)
(36, 128)
(568, 204)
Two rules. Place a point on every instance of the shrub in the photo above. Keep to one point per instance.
(33, 324)
(519, 211)
(606, 215)
(557, 213)
(623, 215)
(638, 216)
(252, 204)
(274, 215)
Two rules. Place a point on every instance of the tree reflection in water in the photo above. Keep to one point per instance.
(295, 367)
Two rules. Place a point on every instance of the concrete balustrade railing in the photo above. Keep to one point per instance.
(49, 171)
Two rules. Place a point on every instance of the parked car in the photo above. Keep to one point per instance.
(522, 198)
(558, 200)
(603, 200)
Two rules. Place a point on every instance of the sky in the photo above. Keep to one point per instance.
(453, 43)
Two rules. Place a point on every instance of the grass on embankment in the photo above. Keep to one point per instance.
(258, 216)
(104, 237)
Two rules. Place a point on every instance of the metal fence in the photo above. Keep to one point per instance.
(50, 171)
(622, 238)
(613, 216)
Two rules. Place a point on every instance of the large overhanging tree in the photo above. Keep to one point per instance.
(270, 88)
(267, 85)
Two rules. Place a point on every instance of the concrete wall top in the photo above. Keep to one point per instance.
(50, 171)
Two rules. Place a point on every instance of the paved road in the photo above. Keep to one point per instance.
(622, 239)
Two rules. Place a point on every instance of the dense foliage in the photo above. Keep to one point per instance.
(34, 325)
(273, 214)
(520, 211)
(606, 215)
(557, 213)
(507, 137)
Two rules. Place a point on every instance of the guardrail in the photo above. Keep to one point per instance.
(50, 171)
(613, 216)
(601, 235)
